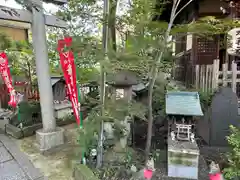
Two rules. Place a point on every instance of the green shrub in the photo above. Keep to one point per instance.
(29, 113)
(233, 171)
(205, 99)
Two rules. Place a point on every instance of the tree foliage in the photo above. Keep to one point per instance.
(134, 39)
(20, 56)
(233, 171)
(22, 60)
(88, 49)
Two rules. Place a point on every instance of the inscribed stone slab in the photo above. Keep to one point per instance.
(224, 112)
(10, 170)
(4, 155)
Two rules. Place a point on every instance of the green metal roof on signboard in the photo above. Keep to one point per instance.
(183, 103)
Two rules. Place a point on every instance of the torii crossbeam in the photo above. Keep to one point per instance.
(20, 15)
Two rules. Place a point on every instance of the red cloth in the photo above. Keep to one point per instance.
(217, 176)
(6, 76)
(148, 173)
(69, 71)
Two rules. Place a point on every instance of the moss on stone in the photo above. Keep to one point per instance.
(182, 155)
(183, 162)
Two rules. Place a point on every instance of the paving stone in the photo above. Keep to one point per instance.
(4, 155)
(21, 158)
(1, 144)
(10, 170)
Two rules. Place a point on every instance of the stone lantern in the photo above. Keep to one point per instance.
(121, 84)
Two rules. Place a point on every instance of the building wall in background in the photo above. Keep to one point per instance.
(17, 31)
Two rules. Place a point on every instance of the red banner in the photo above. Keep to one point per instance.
(7, 79)
(69, 71)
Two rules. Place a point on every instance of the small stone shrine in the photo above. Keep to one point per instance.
(183, 152)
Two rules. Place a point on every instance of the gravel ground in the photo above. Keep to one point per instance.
(161, 172)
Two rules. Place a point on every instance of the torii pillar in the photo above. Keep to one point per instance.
(50, 136)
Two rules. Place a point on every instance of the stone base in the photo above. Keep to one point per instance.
(183, 159)
(49, 140)
(3, 123)
(182, 171)
(62, 110)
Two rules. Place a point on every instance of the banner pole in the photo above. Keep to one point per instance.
(72, 71)
(18, 114)
(79, 92)
(79, 101)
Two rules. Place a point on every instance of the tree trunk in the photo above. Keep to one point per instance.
(103, 81)
(112, 24)
(155, 70)
(150, 114)
(153, 77)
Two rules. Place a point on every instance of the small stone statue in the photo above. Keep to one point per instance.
(93, 152)
(215, 173)
(133, 168)
(214, 168)
(145, 173)
(150, 164)
(173, 136)
(93, 156)
(20, 125)
(192, 137)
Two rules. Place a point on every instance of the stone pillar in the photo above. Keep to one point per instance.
(49, 136)
(128, 93)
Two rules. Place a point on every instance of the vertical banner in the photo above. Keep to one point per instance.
(7, 79)
(69, 71)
